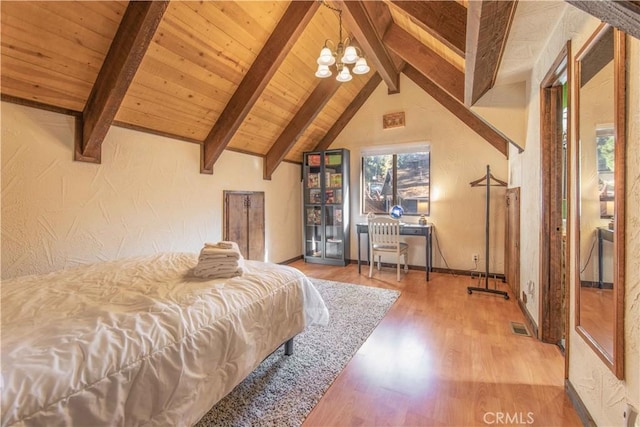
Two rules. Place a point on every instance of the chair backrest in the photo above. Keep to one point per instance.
(384, 231)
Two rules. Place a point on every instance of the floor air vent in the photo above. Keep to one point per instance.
(519, 329)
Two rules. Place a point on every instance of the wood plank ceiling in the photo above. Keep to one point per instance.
(239, 75)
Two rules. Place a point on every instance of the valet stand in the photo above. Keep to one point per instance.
(487, 181)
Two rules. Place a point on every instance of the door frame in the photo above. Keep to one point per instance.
(512, 238)
(553, 318)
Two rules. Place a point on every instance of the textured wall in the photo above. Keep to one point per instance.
(505, 107)
(458, 156)
(524, 168)
(603, 394)
(147, 196)
(601, 391)
(632, 270)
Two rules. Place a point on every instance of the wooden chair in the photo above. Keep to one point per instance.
(384, 237)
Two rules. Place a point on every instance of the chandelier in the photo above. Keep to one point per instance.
(343, 55)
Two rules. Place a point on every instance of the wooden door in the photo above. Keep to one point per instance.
(512, 244)
(552, 251)
(244, 222)
(255, 241)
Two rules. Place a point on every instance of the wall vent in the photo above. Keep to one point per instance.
(519, 329)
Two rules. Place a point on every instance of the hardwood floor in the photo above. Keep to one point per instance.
(596, 315)
(443, 357)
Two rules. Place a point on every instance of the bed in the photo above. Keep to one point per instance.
(141, 340)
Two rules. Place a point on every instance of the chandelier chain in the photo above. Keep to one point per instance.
(344, 54)
(339, 11)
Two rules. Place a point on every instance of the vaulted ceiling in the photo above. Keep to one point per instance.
(239, 75)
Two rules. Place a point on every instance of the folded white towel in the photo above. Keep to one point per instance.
(218, 267)
(213, 272)
(224, 244)
(218, 259)
(209, 250)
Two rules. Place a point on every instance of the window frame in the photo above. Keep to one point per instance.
(395, 150)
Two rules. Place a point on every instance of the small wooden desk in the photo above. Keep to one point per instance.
(405, 230)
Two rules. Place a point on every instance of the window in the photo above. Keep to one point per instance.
(396, 175)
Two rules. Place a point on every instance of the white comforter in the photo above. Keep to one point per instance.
(141, 341)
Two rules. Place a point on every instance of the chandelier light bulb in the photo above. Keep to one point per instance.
(361, 67)
(323, 71)
(344, 75)
(350, 55)
(340, 55)
(326, 57)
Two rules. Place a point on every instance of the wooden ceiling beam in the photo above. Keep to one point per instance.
(444, 20)
(457, 108)
(349, 112)
(303, 118)
(381, 18)
(361, 25)
(622, 14)
(424, 59)
(136, 30)
(278, 45)
(488, 25)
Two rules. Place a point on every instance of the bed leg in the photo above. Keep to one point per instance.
(288, 347)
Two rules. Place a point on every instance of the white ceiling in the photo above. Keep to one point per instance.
(532, 26)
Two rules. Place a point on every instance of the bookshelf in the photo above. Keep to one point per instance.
(326, 206)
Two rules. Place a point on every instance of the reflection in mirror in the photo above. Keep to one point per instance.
(600, 194)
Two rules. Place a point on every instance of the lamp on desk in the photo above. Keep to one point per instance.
(423, 206)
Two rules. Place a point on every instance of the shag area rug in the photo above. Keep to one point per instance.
(284, 389)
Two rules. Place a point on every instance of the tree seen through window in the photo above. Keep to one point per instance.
(396, 179)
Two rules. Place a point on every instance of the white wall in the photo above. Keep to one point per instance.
(458, 156)
(603, 394)
(525, 167)
(147, 196)
(505, 106)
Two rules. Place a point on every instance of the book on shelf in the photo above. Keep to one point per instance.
(313, 159)
(314, 216)
(329, 196)
(336, 180)
(313, 180)
(314, 196)
(333, 159)
(333, 196)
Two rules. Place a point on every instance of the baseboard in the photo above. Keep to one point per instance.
(530, 323)
(591, 284)
(289, 261)
(471, 273)
(582, 411)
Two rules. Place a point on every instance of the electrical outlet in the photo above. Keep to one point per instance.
(474, 257)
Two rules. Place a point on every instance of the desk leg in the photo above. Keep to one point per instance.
(359, 271)
(368, 252)
(427, 254)
(600, 261)
(430, 250)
